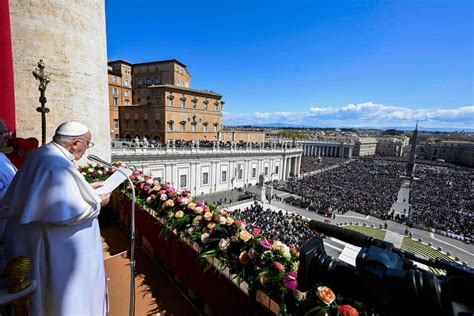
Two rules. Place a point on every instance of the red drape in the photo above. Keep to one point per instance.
(7, 96)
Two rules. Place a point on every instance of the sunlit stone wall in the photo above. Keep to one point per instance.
(70, 37)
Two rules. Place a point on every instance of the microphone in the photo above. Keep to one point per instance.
(94, 158)
(131, 311)
(350, 236)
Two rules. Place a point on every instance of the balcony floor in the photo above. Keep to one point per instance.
(155, 293)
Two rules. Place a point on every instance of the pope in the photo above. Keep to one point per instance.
(52, 218)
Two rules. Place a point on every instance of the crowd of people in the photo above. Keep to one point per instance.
(364, 185)
(287, 227)
(309, 163)
(442, 199)
(179, 143)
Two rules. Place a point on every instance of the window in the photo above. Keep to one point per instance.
(224, 176)
(193, 127)
(157, 80)
(194, 103)
(205, 104)
(266, 171)
(114, 79)
(116, 103)
(183, 127)
(157, 117)
(126, 93)
(216, 107)
(148, 81)
(215, 128)
(114, 91)
(145, 125)
(254, 172)
(170, 126)
(205, 127)
(177, 82)
(277, 169)
(137, 125)
(182, 181)
(183, 103)
(116, 123)
(127, 102)
(126, 83)
(240, 172)
(205, 178)
(170, 101)
(127, 124)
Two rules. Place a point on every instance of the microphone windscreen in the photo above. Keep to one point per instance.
(352, 237)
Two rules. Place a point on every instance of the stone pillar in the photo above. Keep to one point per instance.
(70, 38)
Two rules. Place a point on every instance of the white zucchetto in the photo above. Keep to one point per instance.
(71, 128)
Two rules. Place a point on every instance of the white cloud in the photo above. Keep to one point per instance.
(367, 114)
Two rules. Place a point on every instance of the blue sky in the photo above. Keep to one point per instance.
(314, 63)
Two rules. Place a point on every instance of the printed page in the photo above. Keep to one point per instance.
(113, 181)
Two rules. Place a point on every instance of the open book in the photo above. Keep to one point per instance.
(113, 181)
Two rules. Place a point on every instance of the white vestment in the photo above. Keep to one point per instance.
(52, 217)
(7, 172)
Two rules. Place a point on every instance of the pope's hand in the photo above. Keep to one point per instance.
(97, 184)
(104, 199)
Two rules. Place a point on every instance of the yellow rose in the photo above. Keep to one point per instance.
(245, 235)
(208, 216)
(325, 294)
(230, 221)
(179, 214)
(299, 296)
(262, 278)
(211, 226)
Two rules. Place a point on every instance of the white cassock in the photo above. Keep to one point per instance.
(7, 172)
(52, 217)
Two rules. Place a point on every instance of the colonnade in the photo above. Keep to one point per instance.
(327, 150)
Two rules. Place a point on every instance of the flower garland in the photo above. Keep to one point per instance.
(264, 264)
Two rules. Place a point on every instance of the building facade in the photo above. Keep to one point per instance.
(460, 152)
(209, 170)
(343, 149)
(236, 135)
(120, 92)
(165, 107)
(391, 146)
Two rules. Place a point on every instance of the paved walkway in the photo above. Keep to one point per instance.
(155, 293)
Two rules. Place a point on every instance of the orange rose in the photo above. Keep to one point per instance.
(244, 257)
(325, 294)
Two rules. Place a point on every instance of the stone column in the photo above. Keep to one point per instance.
(70, 38)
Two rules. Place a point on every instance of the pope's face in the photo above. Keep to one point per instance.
(80, 145)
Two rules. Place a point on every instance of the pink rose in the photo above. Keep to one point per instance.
(256, 231)
(267, 244)
(147, 188)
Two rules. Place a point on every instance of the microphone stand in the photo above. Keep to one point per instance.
(131, 311)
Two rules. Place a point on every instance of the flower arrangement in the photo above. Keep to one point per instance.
(262, 263)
